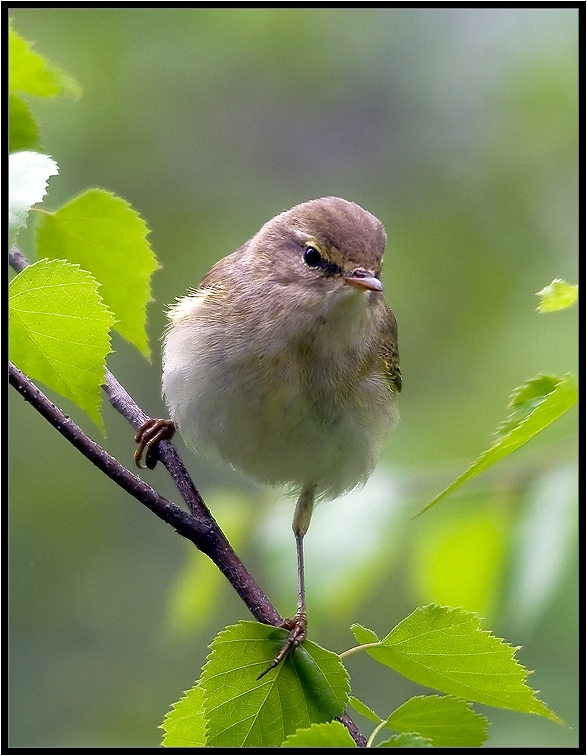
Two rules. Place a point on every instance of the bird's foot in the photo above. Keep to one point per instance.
(148, 436)
(297, 627)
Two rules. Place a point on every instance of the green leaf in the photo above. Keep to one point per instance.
(27, 184)
(446, 721)
(22, 128)
(185, 724)
(557, 296)
(406, 740)
(537, 404)
(525, 399)
(325, 735)
(310, 686)
(447, 650)
(29, 72)
(103, 234)
(363, 709)
(364, 635)
(59, 331)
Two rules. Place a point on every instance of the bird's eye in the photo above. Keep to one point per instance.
(312, 257)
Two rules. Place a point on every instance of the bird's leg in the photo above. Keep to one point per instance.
(297, 625)
(148, 436)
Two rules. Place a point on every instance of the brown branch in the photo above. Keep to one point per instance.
(354, 731)
(17, 260)
(203, 532)
(166, 452)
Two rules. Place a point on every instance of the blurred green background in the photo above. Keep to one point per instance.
(458, 129)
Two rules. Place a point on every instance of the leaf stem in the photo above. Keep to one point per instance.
(375, 732)
(355, 649)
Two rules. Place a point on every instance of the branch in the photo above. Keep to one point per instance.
(167, 453)
(203, 532)
(354, 731)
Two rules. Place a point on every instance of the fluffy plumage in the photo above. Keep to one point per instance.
(286, 363)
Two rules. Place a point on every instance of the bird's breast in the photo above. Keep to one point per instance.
(284, 405)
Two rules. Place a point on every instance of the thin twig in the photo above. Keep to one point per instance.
(131, 483)
(17, 259)
(354, 731)
(121, 400)
(203, 533)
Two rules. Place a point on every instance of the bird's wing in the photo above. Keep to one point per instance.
(389, 351)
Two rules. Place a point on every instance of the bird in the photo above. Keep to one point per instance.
(284, 362)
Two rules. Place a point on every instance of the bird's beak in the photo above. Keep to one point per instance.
(363, 279)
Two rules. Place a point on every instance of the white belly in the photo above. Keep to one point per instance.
(282, 417)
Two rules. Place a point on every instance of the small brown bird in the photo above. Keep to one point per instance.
(285, 361)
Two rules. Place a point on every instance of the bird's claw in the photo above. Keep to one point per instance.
(297, 627)
(148, 436)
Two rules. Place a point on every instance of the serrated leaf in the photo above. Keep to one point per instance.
(557, 296)
(406, 740)
(363, 709)
(364, 635)
(525, 399)
(530, 417)
(446, 721)
(59, 331)
(185, 724)
(27, 183)
(325, 735)
(22, 129)
(447, 650)
(102, 233)
(29, 72)
(310, 686)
